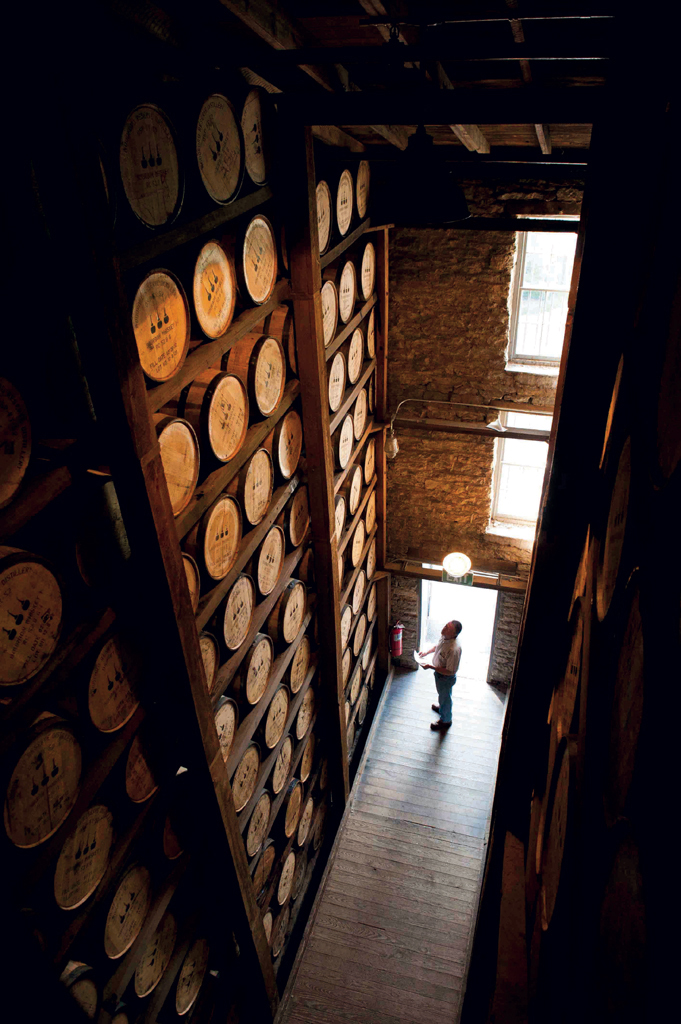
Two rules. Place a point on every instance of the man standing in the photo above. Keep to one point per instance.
(445, 664)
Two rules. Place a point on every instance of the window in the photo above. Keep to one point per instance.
(539, 296)
(519, 471)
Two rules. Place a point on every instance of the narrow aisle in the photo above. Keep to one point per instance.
(390, 939)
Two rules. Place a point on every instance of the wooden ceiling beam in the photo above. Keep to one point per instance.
(275, 27)
(337, 137)
(544, 138)
(382, 55)
(471, 136)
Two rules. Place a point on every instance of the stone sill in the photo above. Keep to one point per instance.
(515, 530)
(544, 371)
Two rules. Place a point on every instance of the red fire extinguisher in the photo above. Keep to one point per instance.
(396, 640)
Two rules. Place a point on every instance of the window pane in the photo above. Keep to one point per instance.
(541, 323)
(527, 421)
(548, 259)
(520, 489)
(524, 453)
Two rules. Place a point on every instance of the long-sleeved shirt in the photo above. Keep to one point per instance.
(447, 657)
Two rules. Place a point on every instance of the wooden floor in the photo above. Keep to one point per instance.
(389, 943)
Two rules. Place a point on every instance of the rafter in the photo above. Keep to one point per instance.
(471, 136)
(544, 138)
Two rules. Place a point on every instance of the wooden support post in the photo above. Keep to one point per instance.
(301, 234)
(544, 138)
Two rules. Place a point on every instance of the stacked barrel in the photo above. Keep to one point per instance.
(349, 316)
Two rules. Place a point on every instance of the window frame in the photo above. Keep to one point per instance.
(515, 357)
(501, 518)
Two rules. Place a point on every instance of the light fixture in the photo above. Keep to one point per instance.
(456, 563)
(392, 445)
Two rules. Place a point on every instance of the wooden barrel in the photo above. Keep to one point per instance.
(370, 513)
(275, 718)
(351, 738)
(299, 875)
(263, 868)
(347, 291)
(216, 405)
(353, 489)
(355, 684)
(15, 441)
(246, 776)
(149, 166)
(353, 349)
(626, 712)
(191, 570)
(293, 803)
(140, 783)
(127, 911)
(219, 149)
(613, 542)
(180, 458)
(360, 634)
(362, 188)
(360, 414)
(329, 299)
(256, 128)
(258, 825)
(306, 568)
(156, 956)
(214, 289)
(358, 591)
(256, 266)
(566, 692)
(363, 704)
(300, 664)
(81, 983)
(346, 662)
(260, 362)
(226, 722)
(557, 829)
(323, 779)
(370, 461)
(371, 335)
(341, 569)
(287, 616)
(339, 515)
(210, 655)
(307, 758)
(161, 323)
(214, 541)
(288, 444)
(270, 560)
(84, 858)
(236, 612)
(336, 386)
(191, 977)
(267, 922)
(366, 655)
(279, 929)
(305, 713)
(279, 324)
(357, 544)
(345, 624)
(371, 560)
(113, 689)
(172, 847)
(286, 878)
(344, 203)
(31, 610)
(324, 221)
(297, 518)
(305, 822)
(44, 783)
(282, 766)
(371, 392)
(367, 274)
(256, 482)
(342, 442)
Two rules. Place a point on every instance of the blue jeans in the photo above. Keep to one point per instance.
(444, 686)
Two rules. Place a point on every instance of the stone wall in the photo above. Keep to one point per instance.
(449, 320)
(405, 597)
(505, 639)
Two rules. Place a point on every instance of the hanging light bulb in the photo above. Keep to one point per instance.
(456, 563)
(392, 445)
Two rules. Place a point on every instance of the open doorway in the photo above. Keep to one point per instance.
(474, 607)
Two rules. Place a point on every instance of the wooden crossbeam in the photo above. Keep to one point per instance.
(471, 136)
(544, 137)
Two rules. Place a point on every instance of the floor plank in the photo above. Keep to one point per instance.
(389, 944)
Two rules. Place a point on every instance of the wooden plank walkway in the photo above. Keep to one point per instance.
(389, 941)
